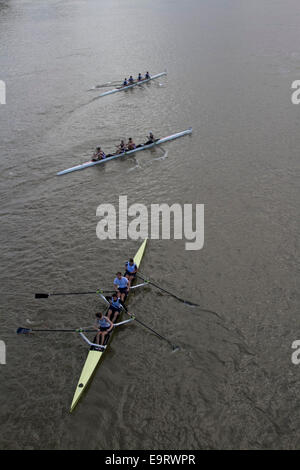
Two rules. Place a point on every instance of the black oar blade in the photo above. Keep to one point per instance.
(190, 304)
(175, 348)
(185, 302)
(41, 296)
(21, 331)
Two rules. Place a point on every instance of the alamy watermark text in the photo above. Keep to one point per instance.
(296, 354)
(136, 221)
(2, 352)
(2, 92)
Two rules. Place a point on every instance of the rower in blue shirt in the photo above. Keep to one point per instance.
(140, 78)
(131, 80)
(114, 307)
(103, 325)
(121, 286)
(131, 270)
(147, 76)
(125, 83)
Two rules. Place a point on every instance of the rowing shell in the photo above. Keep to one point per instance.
(115, 90)
(82, 166)
(95, 354)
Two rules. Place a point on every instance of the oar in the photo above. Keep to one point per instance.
(187, 302)
(29, 330)
(45, 296)
(175, 348)
(101, 292)
(50, 294)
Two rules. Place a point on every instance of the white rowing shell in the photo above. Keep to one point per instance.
(82, 166)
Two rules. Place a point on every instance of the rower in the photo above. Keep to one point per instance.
(104, 325)
(122, 147)
(131, 80)
(131, 145)
(114, 308)
(125, 83)
(150, 138)
(131, 270)
(147, 76)
(140, 78)
(98, 155)
(121, 286)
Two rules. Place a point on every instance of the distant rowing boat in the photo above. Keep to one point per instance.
(129, 152)
(115, 90)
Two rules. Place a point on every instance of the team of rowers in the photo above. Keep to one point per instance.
(122, 284)
(140, 78)
(121, 148)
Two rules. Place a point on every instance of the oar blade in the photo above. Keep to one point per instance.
(41, 296)
(186, 302)
(24, 331)
(190, 304)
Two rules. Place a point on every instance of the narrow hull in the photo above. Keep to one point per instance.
(88, 370)
(94, 355)
(116, 90)
(130, 152)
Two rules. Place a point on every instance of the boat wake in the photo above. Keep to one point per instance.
(104, 85)
(162, 157)
(134, 168)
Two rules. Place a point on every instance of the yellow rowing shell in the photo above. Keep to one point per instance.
(94, 356)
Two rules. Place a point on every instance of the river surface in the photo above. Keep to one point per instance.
(230, 67)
